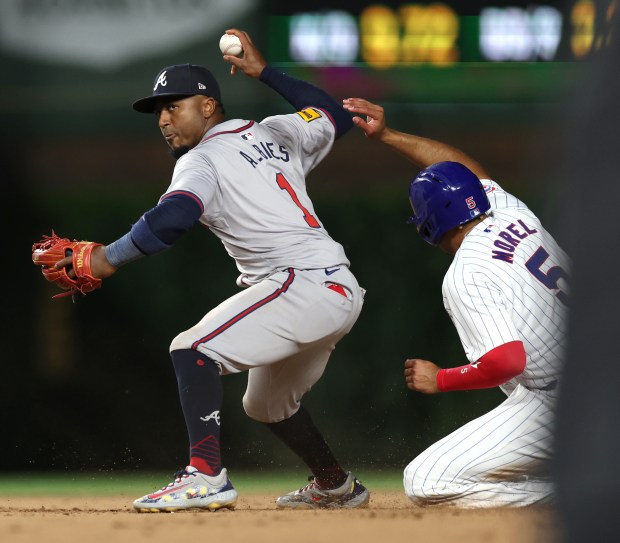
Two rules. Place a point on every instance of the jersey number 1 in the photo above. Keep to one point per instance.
(285, 185)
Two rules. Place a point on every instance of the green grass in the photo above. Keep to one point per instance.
(102, 484)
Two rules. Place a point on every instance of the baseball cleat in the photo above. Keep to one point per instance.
(348, 496)
(190, 489)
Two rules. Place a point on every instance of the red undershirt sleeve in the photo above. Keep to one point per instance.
(494, 368)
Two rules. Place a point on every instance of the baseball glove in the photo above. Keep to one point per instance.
(52, 249)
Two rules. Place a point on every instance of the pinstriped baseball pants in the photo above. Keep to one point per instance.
(499, 459)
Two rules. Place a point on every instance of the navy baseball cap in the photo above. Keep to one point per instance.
(180, 80)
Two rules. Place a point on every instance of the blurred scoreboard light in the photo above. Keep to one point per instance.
(582, 19)
(380, 36)
(592, 24)
(444, 33)
(411, 34)
(324, 38)
(495, 51)
(521, 34)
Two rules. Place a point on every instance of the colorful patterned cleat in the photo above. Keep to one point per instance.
(190, 489)
(348, 496)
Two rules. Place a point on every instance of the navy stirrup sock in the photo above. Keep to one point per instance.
(200, 391)
(301, 436)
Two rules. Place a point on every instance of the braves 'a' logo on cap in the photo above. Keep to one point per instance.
(161, 80)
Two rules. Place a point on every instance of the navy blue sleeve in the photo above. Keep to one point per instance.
(301, 94)
(161, 226)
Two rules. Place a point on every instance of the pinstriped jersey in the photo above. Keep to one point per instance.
(250, 180)
(508, 282)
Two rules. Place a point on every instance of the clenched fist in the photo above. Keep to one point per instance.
(421, 375)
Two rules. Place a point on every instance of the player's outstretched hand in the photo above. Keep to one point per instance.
(71, 265)
(251, 63)
(373, 125)
(99, 265)
(421, 376)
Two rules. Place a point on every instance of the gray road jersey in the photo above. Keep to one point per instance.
(250, 180)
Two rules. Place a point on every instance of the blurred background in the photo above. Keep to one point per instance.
(89, 386)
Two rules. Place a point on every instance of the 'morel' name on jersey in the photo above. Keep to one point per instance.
(511, 237)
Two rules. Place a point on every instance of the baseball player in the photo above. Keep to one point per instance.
(506, 293)
(245, 181)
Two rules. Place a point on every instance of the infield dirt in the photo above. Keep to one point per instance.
(388, 518)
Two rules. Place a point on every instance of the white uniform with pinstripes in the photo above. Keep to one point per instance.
(507, 282)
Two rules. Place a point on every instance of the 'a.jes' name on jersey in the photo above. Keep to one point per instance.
(511, 236)
(265, 150)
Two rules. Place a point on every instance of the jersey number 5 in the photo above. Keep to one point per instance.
(549, 279)
(285, 185)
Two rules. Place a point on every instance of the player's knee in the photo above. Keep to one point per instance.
(182, 341)
(418, 486)
(268, 410)
(255, 408)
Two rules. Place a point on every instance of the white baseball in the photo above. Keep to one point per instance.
(230, 45)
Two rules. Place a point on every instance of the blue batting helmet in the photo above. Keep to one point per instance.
(443, 196)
